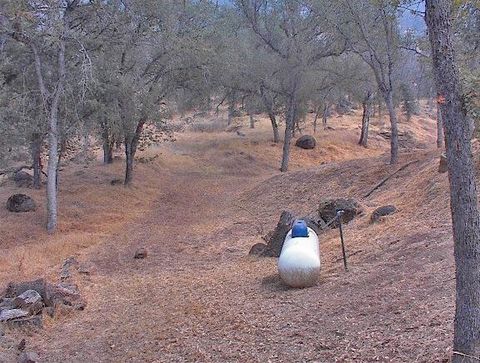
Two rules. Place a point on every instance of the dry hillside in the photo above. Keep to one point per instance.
(198, 297)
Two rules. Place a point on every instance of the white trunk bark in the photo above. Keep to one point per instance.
(52, 204)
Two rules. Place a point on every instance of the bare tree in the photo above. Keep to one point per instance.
(49, 19)
(463, 190)
(367, 112)
(298, 39)
(268, 99)
(371, 31)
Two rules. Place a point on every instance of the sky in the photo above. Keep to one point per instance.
(413, 21)
(407, 19)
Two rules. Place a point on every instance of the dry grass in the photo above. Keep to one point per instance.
(198, 297)
(90, 210)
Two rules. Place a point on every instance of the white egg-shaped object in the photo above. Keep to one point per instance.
(299, 261)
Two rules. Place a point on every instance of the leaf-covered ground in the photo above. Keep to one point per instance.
(198, 297)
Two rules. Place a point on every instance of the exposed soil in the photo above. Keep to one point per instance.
(198, 297)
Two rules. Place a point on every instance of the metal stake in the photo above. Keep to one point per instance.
(339, 216)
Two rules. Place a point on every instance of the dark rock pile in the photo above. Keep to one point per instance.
(25, 303)
(21, 203)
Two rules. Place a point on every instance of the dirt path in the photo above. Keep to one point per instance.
(199, 298)
(134, 305)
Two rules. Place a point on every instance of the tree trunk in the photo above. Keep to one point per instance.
(430, 100)
(317, 111)
(85, 143)
(52, 205)
(380, 110)
(251, 111)
(36, 147)
(367, 111)
(129, 156)
(231, 108)
(52, 172)
(325, 115)
(276, 134)
(108, 151)
(61, 153)
(440, 136)
(286, 147)
(463, 190)
(269, 107)
(108, 143)
(289, 126)
(131, 144)
(388, 95)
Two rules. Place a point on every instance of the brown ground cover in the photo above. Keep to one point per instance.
(198, 297)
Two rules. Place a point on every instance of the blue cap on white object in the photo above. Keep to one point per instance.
(299, 229)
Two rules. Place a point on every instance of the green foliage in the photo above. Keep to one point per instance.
(409, 102)
(471, 83)
(141, 59)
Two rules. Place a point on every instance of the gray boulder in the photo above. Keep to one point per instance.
(306, 142)
(327, 210)
(21, 203)
(257, 249)
(381, 212)
(30, 301)
(276, 237)
(22, 179)
(10, 314)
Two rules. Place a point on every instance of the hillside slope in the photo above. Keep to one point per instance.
(198, 297)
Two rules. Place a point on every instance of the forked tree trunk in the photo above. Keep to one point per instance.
(273, 120)
(289, 126)
(50, 101)
(388, 96)
(463, 190)
(440, 136)
(36, 148)
(367, 111)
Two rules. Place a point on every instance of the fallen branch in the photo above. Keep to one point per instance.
(388, 177)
